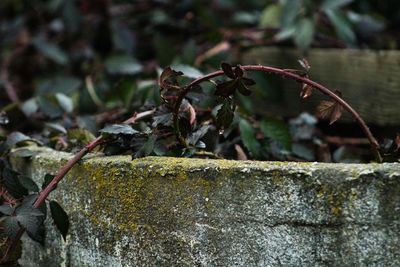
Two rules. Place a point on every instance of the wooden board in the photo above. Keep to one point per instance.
(368, 80)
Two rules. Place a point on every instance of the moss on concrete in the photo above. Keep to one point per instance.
(193, 212)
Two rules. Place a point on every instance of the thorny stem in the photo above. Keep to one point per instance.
(284, 73)
(62, 172)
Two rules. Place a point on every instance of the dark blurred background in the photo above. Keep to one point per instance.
(83, 63)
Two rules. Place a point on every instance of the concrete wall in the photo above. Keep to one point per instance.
(191, 212)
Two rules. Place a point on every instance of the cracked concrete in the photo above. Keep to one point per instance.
(190, 212)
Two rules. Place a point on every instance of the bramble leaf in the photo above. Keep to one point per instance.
(225, 114)
(227, 69)
(60, 218)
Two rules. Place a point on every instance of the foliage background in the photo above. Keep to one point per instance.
(83, 64)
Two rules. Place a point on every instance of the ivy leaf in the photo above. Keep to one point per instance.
(277, 131)
(228, 71)
(60, 218)
(329, 109)
(11, 182)
(116, 129)
(225, 114)
(248, 136)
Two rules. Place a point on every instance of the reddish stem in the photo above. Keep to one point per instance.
(284, 73)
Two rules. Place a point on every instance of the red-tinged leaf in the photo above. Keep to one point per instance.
(304, 63)
(227, 69)
(167, 74)
(306, 92)
(226, 89)
(247, 81)
(397, 141)
(243, 89)
(239, 71)
(329, 109)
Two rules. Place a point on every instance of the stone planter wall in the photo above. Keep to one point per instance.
(191, 212)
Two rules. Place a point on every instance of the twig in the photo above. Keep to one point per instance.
(374, 144)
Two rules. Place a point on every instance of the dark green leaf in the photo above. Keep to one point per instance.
(334, 4)
(225, 114)
(116, 129)
(227, 69)
(123, 64)
(342, 26)
(32, 219)
(51, 51)
(277, 131)
(248, 136)
(60, 218)
(16, 138)
(11, 226)
(188, 71)
(304, 33)
(6, 209)
(270, 16)
(11, 182)
(247, 81)
(65, 102)
(28, 183)
(66, 85)
(195, 136)
(147, 148)
(303, 151)
(164, 119)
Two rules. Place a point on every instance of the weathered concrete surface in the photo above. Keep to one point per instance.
(190, 212)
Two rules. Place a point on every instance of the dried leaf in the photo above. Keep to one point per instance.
(167, 74)
(241, 155)
(306, 92)
(304, 63)
(329, 109)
